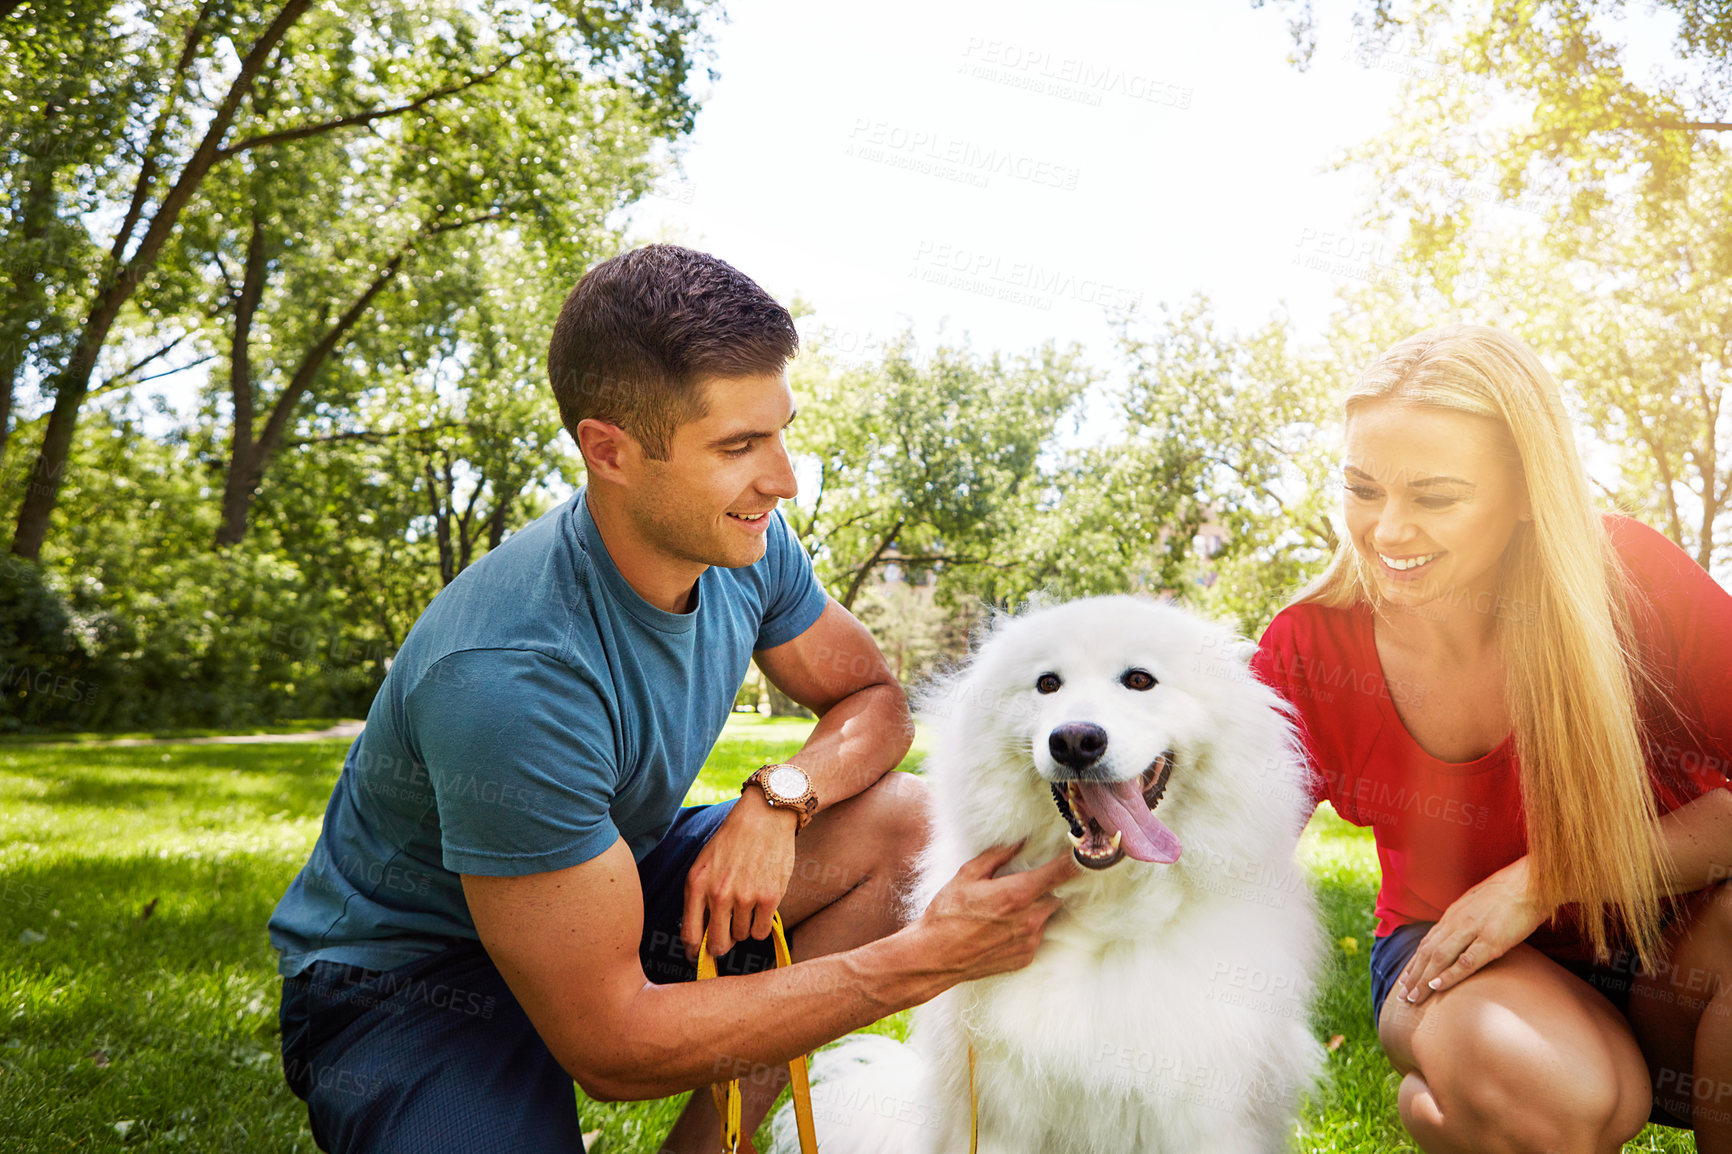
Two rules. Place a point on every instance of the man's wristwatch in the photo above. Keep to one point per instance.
(786, 787)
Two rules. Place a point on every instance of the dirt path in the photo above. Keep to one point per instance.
(341, 729)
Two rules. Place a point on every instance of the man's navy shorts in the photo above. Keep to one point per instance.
(1391, 953)
(437, 1056)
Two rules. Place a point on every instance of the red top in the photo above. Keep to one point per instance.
(1441, 826)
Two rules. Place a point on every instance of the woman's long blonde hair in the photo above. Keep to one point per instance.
(1572, 673)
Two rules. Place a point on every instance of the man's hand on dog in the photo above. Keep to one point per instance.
(740, 876)
(979, 925)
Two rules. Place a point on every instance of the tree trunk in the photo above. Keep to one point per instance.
(781, 705)
(43, 489)
(246, 463)
(1708, 461)
(466, 523)
(71, 385)
(496, 522)
(865, 569)
(441, 523)
(242, 482)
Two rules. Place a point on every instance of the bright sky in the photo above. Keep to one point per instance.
(1011, 171)
(1014, 171)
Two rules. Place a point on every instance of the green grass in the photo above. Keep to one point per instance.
(138, 992)
(748, 741)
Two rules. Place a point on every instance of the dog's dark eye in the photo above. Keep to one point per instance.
(1138, 679)
(1047, 683)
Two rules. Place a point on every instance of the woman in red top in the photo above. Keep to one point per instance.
(1531, 706)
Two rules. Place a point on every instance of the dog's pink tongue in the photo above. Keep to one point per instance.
(1119, 806)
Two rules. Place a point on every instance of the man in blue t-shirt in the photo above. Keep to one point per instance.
(506, 894)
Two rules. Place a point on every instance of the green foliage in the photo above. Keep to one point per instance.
(914, 631)
(1250, 422)
(930, 465)
(371, 259)
(1636, 309)
(296, 174)
(1622, 286)
(420, 248)
(58, 131)
(1222, 432)
(947, 481)
(1593, 117)
(167, 632)
(46, 674)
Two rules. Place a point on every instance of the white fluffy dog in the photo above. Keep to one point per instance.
(1166, 1009)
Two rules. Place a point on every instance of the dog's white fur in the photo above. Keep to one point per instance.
(1166, 1009)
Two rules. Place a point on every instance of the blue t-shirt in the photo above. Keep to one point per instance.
(538, 710)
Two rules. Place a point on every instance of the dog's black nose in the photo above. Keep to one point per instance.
(1078, 744)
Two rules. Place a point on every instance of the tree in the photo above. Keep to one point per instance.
(1256, 418)
(58, 125)
(1592, 114)
(930, 464)
(167, 632)
(1217, 427)
(288, 73)
(483, 451)
(356, 255)
(1647, 337)
(951, 469)
(1623, 285)
(909, 626)
(1634, 314)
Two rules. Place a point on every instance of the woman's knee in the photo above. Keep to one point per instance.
(1509, 1075)
(1525, 1108)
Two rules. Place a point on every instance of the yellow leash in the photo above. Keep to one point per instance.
(727, 1094)
(973, 1107)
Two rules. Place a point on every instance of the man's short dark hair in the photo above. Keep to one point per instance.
(642, 331)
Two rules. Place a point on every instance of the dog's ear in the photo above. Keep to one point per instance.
(1221, 642)
(1037, 600)
(1241, 650)
(994, 620)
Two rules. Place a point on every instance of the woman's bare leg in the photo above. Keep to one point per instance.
(1521, 1057)
(1682, 1016)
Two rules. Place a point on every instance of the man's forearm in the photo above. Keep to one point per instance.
(856, 742)
(689, 1034)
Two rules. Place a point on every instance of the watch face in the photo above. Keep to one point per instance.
(788, 782)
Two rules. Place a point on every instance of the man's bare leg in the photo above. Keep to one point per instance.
(852, 867)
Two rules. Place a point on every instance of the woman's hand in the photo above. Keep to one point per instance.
(1478, 928)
